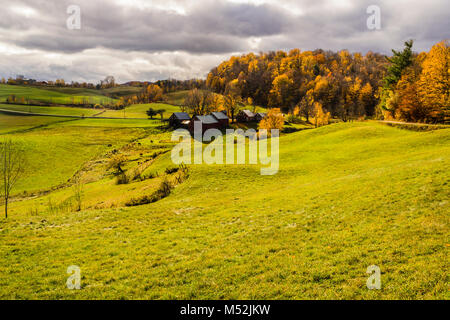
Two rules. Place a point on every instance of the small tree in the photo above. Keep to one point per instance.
(273, 120)
(320, 117)
(116, 163)
(151, 113)
(78, 193)
(11, 168)
(161, 113)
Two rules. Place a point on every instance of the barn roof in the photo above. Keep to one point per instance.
(220, 115)
(206, 119)
(261, 114)
(248, 113)
(181, 115)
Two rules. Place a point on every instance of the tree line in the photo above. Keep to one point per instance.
(406, 86)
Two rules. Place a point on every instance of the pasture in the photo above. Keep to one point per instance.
(52, 95)
(347, 196)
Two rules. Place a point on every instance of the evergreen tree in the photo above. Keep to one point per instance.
(398, 62)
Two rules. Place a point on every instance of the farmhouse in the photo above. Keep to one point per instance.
(259, 116)
(179, 119)
(221, 118)
(205, 122)
(245, 116)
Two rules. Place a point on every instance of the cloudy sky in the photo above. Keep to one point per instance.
(158, 39)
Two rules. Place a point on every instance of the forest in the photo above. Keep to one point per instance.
(406, 86)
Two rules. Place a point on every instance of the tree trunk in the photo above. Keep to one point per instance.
(6, 209)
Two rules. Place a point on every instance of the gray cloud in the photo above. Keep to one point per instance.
(153, 39)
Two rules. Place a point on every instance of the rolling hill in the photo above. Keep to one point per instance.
(347, 196)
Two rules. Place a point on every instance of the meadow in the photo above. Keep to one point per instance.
(347, 196)
(53, 95)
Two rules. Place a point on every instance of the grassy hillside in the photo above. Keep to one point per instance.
(11, 123)
(347, 196)
(139, 111)
(53, 95)
(65, 111)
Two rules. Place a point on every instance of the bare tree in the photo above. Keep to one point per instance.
(199, 102)
(11, 168)
(78, 193)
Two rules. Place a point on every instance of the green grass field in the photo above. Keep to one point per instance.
(347, 196)
(139, 111)
(65, 111)
(10, 123)
(53, 95)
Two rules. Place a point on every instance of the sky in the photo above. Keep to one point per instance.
(148, 40)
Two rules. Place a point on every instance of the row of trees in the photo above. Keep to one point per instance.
(344, 84)
(201, 102)
(416, 87)
(406, 86)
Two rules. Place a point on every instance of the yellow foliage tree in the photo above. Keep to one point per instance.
(273, 120)
(154, 93)
(320, 117)
(434, 84)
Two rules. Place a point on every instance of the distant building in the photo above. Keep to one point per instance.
(179, 119)
(260, 115)
(245, 116)
(222, 118)
(206, 122)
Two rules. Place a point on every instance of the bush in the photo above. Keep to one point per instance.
(171, 170)
(163, 191)
(122, 178)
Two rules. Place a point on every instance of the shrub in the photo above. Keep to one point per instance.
(163, 191)
(171, 170)
(122, 178)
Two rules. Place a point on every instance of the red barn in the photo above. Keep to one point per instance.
(245, 116)
(179, 119)
(222, 118)
(206, 122)
(259, 116)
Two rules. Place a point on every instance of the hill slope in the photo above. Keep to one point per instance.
(347, 196)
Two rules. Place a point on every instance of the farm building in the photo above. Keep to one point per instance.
(179, 119)
(259, 116)
(245, 116)
(207, 122)
(222, 118)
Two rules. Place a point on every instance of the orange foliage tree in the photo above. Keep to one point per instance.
(273, 120)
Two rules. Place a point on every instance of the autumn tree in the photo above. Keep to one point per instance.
(306, 107)
(434, 83)
(154, 93)
(398, 62)
(232, 99)
(199, 102)
(12, 164)
(281, 95)
(273, 120)
(320, 118)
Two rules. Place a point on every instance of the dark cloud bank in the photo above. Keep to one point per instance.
(149, 40)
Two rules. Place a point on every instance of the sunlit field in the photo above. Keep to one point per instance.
(346, 196)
